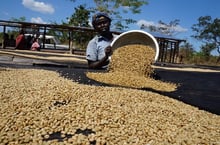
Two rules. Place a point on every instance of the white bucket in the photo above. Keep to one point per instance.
(136, 37)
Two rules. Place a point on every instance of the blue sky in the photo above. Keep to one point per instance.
(46, 11)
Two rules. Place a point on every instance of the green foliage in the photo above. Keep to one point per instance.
(186, 51)
(82, 14)
(115, 8)
(207, 31)
(12, 31)
(203, 57)
(15, 30)
(20, 19)
(112, 5)
(80, 18)
(112, 8)
(206, 50)
(200, 58)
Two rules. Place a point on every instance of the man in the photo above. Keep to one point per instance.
(99, 50)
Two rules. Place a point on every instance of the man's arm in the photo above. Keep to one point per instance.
(104, 61)
(98, 64)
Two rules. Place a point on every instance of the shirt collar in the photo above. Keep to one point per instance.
(101, 38)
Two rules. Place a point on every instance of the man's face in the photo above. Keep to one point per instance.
(102, 25)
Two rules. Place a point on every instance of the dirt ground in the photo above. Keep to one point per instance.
(199, 85)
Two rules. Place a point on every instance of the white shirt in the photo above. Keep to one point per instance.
(96, 47)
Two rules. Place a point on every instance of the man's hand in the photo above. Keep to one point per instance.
(108, 51)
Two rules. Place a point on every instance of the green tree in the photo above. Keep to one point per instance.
(206, 50)
(13, 31)
(80, 18)
(20, 19)
(186, 51)
(115, 8)
(207, 30)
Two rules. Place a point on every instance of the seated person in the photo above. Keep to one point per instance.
(35, 46)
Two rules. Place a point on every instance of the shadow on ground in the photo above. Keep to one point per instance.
(199, 89)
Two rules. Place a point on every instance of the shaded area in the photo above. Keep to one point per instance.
(85, 132)
(60, 137)
(57, 136)
(200, 89)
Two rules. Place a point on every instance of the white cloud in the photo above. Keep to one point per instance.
(37, 20)
(145, 23)
(126, 8)
(38, 6)
(180, 29)
(6, 13)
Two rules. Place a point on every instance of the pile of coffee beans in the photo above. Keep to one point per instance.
(41, 107)
(131, 66)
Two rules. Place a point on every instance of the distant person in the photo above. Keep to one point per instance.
(12, 41)
(20, 41)
(29, 41)
(6, 40)
(98, 50)
(181, 58)
(35, 46)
